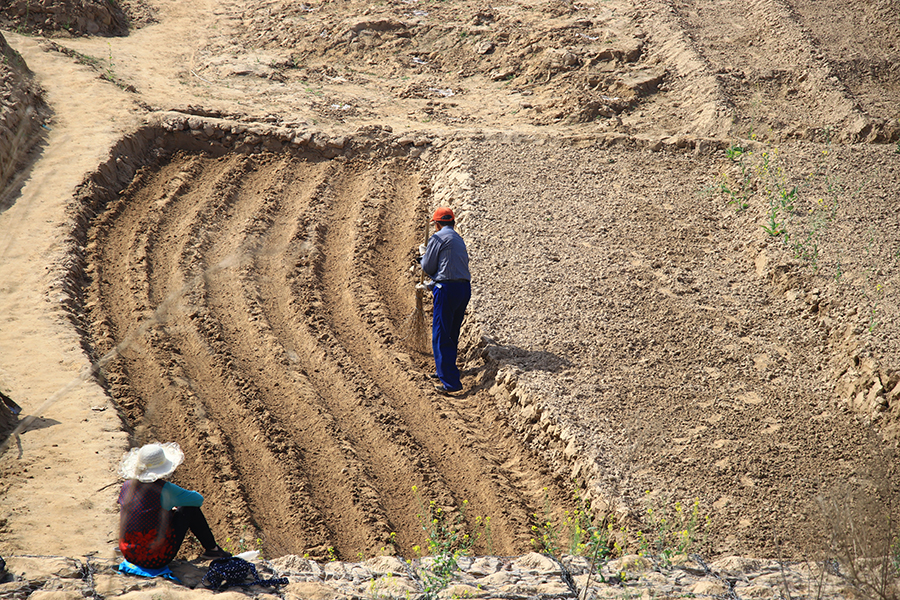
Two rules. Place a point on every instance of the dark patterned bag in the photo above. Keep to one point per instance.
(234, 571)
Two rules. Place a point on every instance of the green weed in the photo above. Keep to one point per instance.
(109, 72)
(484, 523)
(446, 541)
(240, 543)
(791, 212)
(671, 531)
(545, 533)
(738, 192)
(579, 533)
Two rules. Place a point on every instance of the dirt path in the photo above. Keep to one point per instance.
(69, 452)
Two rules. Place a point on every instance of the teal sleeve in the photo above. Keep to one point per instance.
(173, 496)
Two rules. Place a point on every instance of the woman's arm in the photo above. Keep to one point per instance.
(173, 496)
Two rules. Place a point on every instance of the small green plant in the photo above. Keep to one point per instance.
(241, 544)
(109, 72)
(738, 193)
(579, 533)
(734, 152)
(773, 226)
(670, 532)
(545, 533)
(484, 523)
(389, 548)
(446, 541)
(22, 29)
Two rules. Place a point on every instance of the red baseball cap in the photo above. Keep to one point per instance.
(443, 215)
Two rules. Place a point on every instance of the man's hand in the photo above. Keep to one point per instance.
(421, 249)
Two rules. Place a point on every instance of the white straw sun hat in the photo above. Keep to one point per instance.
(151, 462)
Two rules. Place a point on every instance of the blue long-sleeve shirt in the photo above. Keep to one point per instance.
(173, 496)
(446, 258)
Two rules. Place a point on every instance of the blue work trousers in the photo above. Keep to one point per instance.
(450, 301)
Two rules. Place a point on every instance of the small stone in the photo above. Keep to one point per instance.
(386, 565)
(498, 579)
(736, 565)
(630, 563)
(536, 563)
(484, 48)
(43, 568)
(708, 588)
(754, 591)
(56, 595)
(462, 591)
(311, 590)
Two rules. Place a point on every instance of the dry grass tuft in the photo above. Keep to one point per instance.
(865, 535)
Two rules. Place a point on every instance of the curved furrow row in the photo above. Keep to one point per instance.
(402, 226)
(258, 445)
(345, 485)
(164, 403)
(336, 487)
(482, 460)
(113, 308)
(859, 43)
(181, 228)
(391, 454)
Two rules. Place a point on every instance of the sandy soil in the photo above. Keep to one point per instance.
(622, 268)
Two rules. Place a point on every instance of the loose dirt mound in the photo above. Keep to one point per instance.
(22, 112)
(649, 69)
(67, 17)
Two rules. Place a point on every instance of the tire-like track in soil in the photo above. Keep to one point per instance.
(762, 65)
(277, 361)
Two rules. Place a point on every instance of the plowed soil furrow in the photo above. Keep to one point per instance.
(391, 454)
(199, 366)
(696, 102)
(278, 362)
(861, 47)
(282, 507)
(334, 477)
(159, 398)
(465, 455)
(779, 76)
(180, 376)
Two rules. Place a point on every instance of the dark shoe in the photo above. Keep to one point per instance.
(214, 553)
(440, 389)
(434, 376)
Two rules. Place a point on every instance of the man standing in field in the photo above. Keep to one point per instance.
(446, 262)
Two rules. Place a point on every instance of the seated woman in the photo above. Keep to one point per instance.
(155, 515)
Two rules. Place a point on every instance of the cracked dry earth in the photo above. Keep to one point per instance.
(623, 278)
